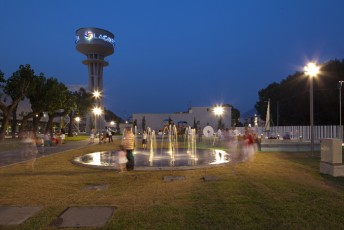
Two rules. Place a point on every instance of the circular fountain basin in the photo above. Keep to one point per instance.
(158, 160)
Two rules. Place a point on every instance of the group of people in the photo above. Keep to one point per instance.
(107, 134)
(126, 159)
(56, 138)
(244, 145)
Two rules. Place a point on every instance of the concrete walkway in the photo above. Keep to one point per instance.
(15, 156)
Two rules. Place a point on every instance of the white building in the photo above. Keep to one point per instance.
(202, 115)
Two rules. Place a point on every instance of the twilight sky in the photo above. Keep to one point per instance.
(170, 55)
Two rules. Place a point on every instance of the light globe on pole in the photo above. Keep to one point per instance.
(77, 119)
(218, 110)
(312, 71)
(96, 94)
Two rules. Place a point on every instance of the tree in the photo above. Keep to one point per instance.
(111, 116)
(143, 123)
(118, 129)
(235, 115)
(220, 124)
(134, 126)
(58, 102)
(15, 87)
(195, 123)
(83, 103)
(37, 90)
(289, 99)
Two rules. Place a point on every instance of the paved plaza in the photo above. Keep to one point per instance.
(15, 156)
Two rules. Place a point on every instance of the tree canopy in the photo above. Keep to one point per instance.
(289, 99)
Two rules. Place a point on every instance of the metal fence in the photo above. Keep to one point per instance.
(297, 132)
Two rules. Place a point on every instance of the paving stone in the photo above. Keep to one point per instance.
(98, 187)
(210, 178)
(10, 215)
(173, 178)
(91, 216)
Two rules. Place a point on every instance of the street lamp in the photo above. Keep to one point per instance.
(311, 70)
(97, 112)
(340, 109)
(97, 95)
(218, 111)
(77, 119)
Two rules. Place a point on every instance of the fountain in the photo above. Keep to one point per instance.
(165, 156)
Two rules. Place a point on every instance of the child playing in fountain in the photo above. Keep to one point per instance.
(122, 159)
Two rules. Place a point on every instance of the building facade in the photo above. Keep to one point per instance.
(202, 116)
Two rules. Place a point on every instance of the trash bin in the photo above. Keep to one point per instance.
(331, 151)
(331, 157)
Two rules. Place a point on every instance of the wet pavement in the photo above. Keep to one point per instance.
(22, 154)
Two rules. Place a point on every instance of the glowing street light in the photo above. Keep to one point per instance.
(77, 119)
(218, 110)
(312, 71)
(96, 94)
(97, 110)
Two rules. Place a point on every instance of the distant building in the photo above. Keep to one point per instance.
(203, 116)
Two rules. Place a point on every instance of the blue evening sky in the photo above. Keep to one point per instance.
(174, 54)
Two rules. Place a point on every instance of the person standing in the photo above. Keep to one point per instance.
(109, 132)
(63, 136)
(248, 147)
(92, 134)
(128, 143)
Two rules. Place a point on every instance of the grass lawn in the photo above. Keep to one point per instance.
(78, 137)
(275, 191)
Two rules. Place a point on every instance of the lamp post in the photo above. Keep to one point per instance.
(340, 109)
(97, 95)
(218, 111)
(97, 112)
(77, 119)
(311, 70)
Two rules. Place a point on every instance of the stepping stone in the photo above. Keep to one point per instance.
(75, 217)
(16, 215)
(97, 187)
(210, 178)
(173, 178)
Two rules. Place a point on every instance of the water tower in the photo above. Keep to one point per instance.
(96, 44)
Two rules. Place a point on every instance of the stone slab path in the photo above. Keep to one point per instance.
(91, 216)
(10, 215)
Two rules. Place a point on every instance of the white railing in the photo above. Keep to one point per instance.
(297, 132)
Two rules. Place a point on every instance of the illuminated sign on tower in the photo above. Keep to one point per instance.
(96, 44)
